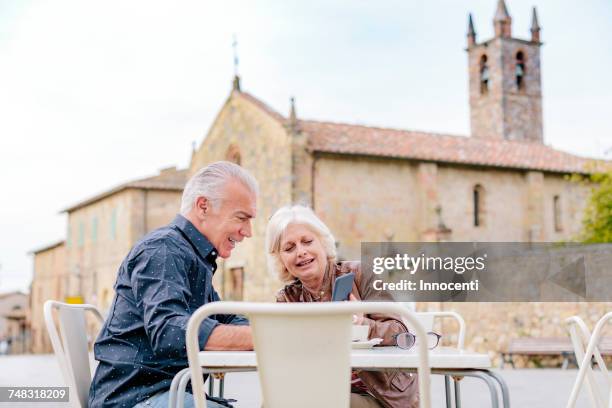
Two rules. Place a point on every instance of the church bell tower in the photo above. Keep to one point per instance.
(504, 79)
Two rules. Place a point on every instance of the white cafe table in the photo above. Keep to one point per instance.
(450, 362)
(374, 358)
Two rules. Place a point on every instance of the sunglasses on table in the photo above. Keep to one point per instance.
(407, 340)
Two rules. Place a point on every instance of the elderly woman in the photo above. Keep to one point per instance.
(301, 250)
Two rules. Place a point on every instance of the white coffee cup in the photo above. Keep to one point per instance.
(360, 332)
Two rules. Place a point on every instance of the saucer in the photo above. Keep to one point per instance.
(366, 344)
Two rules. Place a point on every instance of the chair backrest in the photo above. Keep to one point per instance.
(70, 346)
(427, 319)
(580, 336)
(303, 350)
(303, 357)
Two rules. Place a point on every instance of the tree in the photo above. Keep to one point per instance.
(597, 220)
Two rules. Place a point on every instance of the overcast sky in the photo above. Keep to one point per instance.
(93, 94)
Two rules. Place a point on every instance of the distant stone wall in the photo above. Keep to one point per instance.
(48, 283)
(16, 304)
(491, 326)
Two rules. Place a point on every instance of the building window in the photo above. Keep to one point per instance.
(519, 71)
(67, 289)
(557, 213)
(484, 75)
(94, 229)
(81, 239)
(233, 154)
(478, 205)
(94, 283)
(113, 224)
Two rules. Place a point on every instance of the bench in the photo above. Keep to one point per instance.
(549, 346)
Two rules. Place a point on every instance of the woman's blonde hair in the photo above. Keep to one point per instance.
(282, 218)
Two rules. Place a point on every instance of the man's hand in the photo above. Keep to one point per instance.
(227, 337)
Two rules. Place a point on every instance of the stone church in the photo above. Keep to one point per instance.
(501, 183)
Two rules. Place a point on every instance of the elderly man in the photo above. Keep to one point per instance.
(162, 281)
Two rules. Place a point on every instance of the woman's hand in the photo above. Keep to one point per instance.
(357, 318)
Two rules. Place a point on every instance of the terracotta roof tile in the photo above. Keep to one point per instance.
(372, 141)
(342, 138)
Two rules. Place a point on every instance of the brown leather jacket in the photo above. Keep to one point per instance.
(393, 389)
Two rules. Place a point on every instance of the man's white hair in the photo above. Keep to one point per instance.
(282, 218)
(209, 182)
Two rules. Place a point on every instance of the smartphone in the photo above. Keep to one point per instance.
(343, 287)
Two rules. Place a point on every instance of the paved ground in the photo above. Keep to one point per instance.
(534, 388)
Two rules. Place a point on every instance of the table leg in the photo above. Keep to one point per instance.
(457, 393)
(502, 385)
(448, 391)
(492, 389)
(211, 385)
(221, 377)
(473, 373)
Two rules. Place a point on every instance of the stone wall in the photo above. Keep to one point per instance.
(503, 203)
(573, 199)
(368, 199)
(491, 326)
(371, 199)
(505, 111)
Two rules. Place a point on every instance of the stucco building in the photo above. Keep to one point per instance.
(14, 330)
(48, 282)
(100, 232)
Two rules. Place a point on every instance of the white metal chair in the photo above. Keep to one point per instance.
(427, 320)
(302, 347)
(580, 336)
(70, 346)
